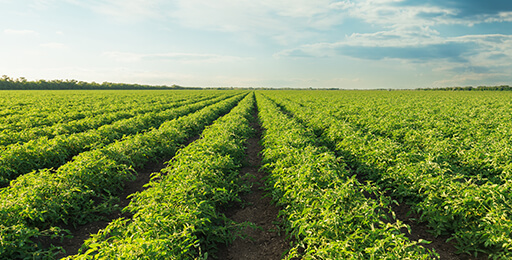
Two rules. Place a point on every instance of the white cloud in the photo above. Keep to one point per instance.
(464, 60)
(502, 17)
(343, 5)
(285, 21)
(54, 45)
(416, 41)
(20, 32)
(175, 57)
(470, 79)
(385, 14)
(414, 35)
(125, 10)
(402, 13)
(41, 4)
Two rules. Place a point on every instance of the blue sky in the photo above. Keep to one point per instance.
(272, 43)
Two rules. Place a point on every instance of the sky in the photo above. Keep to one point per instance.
(366, 44)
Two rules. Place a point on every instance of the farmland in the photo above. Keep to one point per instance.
(156, 174)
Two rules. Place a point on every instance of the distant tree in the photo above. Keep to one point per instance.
(471, 88)
(7, 83)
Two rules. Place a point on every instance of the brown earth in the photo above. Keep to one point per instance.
(265, 242)
(82, 233)
(446, 250)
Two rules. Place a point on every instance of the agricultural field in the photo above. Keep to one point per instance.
(265, 174)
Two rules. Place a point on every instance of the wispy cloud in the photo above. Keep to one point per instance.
(475, 10)
(451, 51)
(20, 32)
(175, 57)
(405, 30)
(448, 41)
(54, 45)
(41, 4)
(473, 78)
(386, 45)
(292, 21)
(404, 13)
(284, 21)
(126, 10)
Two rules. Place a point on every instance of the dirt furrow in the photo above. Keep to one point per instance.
(265, 241)
(446, 250)
(81, 233)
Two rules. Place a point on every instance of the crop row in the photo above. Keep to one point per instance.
(476, 215)
(24, 110)
(45, 153)
(469, 133)
(325, 209)
(80, 191)
(177, 217)
(8, 137)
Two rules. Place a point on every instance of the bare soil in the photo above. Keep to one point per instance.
(446, 250)
(265, 242)
(82, 233)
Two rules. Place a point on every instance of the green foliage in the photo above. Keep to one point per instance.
(331, 157)
(177, 217)
(81, 116)
(7, 83)
(325, 209)
(17, 242)
(86, 187)
(446, 154)
(21, 158)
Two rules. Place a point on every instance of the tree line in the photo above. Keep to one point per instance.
(471, 88)
(7, 83)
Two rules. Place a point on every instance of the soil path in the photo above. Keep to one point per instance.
(446, 250)
(266, 242)
(404, 213)
(81, 233)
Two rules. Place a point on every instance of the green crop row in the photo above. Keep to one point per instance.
(476, 215)
(35, 204)
(177, 216)
(325, 210)
(105, 116)
(20, 159)
(21, 110)
(468, 133)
